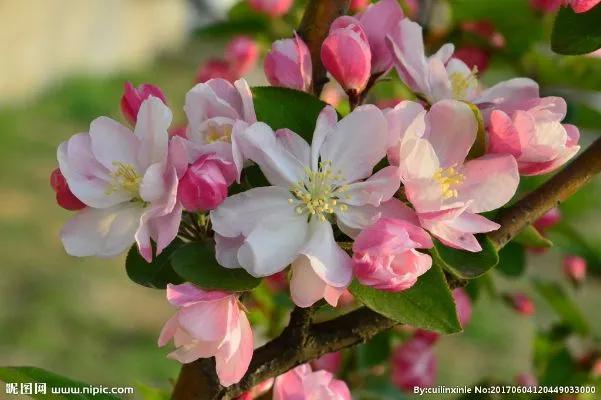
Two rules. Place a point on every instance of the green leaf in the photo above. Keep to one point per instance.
(428, 304)
(531, 237)
(287, 108)
(575, 72)
(195, 262)
(375, 351)
(563, 306)
(465, 264)
(156, 274)
(576, 33)
(512, 260)
(37, 375)
(226, 29)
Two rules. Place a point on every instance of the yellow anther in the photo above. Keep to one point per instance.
(461, 83)
(219, 133)
(448, 179)
(126, 178)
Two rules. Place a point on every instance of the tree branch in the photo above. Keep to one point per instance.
(564, 184)
(303, 341)
(314, 28)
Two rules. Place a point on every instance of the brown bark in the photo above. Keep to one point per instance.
(314, 28)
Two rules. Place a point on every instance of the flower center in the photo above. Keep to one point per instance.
(219, 133)
(461, 83)
(319, 192)
(448, 179)
(126, 178)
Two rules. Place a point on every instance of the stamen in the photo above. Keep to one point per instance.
(219, 133)
(460, 83)
(448, 179)
(126, 178)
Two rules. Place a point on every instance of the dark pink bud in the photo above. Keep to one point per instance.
(413, 365)
(546, 6)
(485, 30)
(526, 379)
(473, 57)
(358, 5)
(463, 304)
(64, 197)
(215, 68)
(242, 53)
(273, 8)
(548, 219)
(521, 303)
(204, 185)
(133, 98)
(346, 55)
(574, 268)
(330, 362)
(427, 336)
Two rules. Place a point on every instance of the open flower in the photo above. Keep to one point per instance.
(447, 191)
(265, 229)
(385, 255)
(532, 132)
(217, 110)
(303, 383)
(209, 324)
(128, 181)
(288, 64)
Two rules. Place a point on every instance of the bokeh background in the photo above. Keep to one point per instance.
(63, 63)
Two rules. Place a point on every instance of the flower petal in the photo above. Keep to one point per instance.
(490, 182)
(112, 142)
(357, 143)
(151, 128)
(101, 232)
(231, 370)
(226, 250)
(294, 144)
(379, 187)
(327, 259)
(326, 122)
(306, 287)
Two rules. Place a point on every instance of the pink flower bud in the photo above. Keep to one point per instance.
(242, 54)
(427, 336)
(288, 64)
(133, 97)
(521, 303)
(485, 30)
(215, 68)
(385, 258)
(548, 219)
(473, 57)
(413, 365)
(346, 54)
(273, 8)
(580, 6)
(358, 5)
(303, 383)
(526, 379)
(574, 268)
(64, 197)
(204, 185)
(330, 362)
(332, 94)
(463, 304)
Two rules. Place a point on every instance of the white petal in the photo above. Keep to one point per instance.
(112, 142)
(328, 260)
(226, 250)
(357, 143)
(326, 122)
(248, 108)
(101, 232)
(151, 128)
(273, 244)
(380, 187)
(242, 212)
(280, 167)
(306, 287)
(352, 221)
(294, 144)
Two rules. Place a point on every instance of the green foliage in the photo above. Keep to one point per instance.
(512, 260)
(287, 108)
(375, 351)
(241, 20)
(531, 237)
(465, 264)
(32, 375)
(156, 274)
(575, 72)
(428, 304)
(196, 263)
(563, 305)
(576, 33)
(515, 19)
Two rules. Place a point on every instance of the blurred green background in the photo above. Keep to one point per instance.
(83, 317)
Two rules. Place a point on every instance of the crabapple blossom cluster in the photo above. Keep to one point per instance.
(366, 196)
